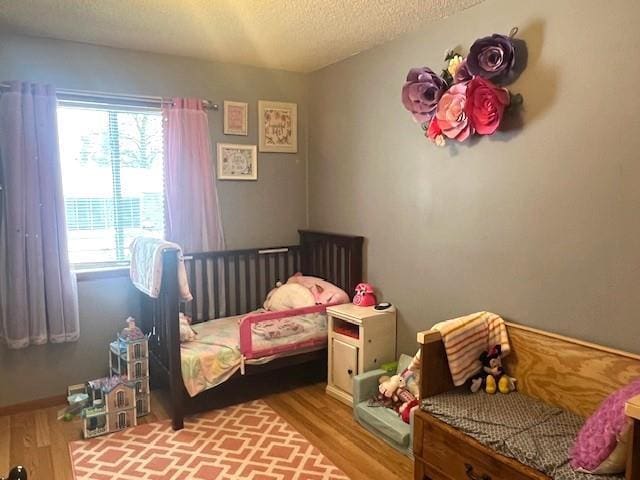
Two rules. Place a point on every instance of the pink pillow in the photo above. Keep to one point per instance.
(600, 447)
(323, 291)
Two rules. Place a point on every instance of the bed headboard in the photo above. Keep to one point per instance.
(235, 282)
(334, 257)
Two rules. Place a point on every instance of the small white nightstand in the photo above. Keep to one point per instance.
(360, 339)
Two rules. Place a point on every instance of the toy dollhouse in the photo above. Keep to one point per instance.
(114, 403)
(112, 406)
(129, 358)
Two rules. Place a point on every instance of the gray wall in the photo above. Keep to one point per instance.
(262, 213)
(541, 225)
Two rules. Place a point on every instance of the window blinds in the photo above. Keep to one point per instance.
(112, 175)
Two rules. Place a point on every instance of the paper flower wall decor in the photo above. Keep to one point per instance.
(469, 96)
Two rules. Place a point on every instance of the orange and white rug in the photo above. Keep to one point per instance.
(248, 441)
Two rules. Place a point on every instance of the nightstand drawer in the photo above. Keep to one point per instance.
(345, 365)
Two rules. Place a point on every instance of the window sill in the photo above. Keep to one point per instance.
(86, 274)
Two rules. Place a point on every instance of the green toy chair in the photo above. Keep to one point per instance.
(383, 422)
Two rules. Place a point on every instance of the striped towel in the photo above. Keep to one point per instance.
(465, 339)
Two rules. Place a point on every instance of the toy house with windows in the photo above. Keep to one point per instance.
(129, 359)
(114, 403)
(112, 406)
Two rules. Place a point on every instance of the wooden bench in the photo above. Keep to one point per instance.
(557, 370)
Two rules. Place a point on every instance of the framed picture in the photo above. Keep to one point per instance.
(237, 162)
(278, 123)
(235, 118)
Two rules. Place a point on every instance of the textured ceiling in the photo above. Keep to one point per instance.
(297, 35)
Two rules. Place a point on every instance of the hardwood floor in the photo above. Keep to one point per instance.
(37, 440)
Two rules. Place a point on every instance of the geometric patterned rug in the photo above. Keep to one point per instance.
(248, 441)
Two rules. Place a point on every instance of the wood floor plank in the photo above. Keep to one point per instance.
(42, 433)
(5, 438)
(37, 440)
(61, 433)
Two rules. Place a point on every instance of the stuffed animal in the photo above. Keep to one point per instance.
(389, 385)
(323, 292)
(411, 384)
(186, 332)
(493, 376)
(406, 409)
(288, 296)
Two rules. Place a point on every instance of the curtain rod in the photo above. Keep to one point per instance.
(136, 100)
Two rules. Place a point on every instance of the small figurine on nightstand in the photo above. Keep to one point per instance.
(364, 296)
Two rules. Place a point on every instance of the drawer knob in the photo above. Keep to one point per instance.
(468, 468)
(350, 372)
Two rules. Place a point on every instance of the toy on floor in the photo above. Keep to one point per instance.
(394, 394)
(115, 402)
(17, 473)
(492, 377)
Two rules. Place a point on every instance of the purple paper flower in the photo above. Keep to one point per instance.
(462, 73)
(421, 93)
(493, 58)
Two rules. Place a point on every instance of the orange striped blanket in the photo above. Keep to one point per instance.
(465, 338)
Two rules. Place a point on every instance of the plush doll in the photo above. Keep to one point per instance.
(411, 384)
(288, 296)
(186, 332)
(492, 376)
(323, 292)
(389, 386)
(406, 409)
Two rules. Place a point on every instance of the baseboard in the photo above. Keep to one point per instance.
(58, 400)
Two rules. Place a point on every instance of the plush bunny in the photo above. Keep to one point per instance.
(389, 387)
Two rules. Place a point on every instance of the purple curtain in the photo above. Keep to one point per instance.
(38, 297)
(193, 212)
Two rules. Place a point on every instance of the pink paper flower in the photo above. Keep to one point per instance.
(451, 113)
(434, 132)
(485, 105)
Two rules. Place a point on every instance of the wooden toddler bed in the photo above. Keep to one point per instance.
(231, 284)
(551, 370)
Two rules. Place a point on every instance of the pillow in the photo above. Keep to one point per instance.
(324, 292)
(186, 332)
(289, 296)
(601, 445)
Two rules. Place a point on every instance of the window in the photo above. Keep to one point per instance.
(112, 176)
(122, 420)
(140, 410)
(120, 399)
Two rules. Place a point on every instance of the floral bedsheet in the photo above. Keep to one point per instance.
(214, 355)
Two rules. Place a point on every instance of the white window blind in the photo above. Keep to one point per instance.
(112, 176)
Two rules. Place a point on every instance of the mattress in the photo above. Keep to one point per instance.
(517, 426)
(214, 356)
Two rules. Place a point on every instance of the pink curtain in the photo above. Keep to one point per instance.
(38, 298)
(193, 211)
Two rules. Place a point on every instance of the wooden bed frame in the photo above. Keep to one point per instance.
(235, 282)
(560, 371)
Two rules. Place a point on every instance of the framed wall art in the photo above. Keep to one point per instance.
(237, 162)
(278, 122)
(235, 118)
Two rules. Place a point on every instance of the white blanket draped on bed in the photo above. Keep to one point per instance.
(146, 266)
